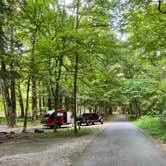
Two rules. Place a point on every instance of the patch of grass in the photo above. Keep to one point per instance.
(153, 126)
(68, 133)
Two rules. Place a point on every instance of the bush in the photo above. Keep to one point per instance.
(163, 119)
(153, 125)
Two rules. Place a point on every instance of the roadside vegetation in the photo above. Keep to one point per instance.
(153, 125)
(69, 133)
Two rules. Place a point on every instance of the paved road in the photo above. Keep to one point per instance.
(121, 144)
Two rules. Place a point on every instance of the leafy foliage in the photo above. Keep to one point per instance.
(153, 126)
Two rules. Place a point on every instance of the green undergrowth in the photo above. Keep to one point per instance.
(153, 126)
(20, 121)
(68, 133)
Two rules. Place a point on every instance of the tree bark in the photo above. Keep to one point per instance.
(75, 93)
(49, 101)
(6, 95)
(76, 73)
(21, 100)
(34, 99)
(56, 97)
(13, 99)
(27, 106)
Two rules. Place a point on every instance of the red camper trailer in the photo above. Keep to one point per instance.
(63, 118)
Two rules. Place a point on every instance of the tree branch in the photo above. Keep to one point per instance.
(159, 8)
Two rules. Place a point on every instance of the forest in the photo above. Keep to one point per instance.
(95, 55)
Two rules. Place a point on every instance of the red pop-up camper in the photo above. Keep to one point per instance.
(63, 118)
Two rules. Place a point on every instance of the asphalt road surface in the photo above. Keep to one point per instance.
(121, 144)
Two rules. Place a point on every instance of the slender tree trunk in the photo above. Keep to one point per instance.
(40, 105)
(33, 78)
(40, 99)
(49, 102)
(26, 108)
(34, 99)
(137, 107)
(21, 100)
(60, 100)
(76, 72)
(67, 103)
(4, 104)
(75, 93)
(56, 102)
(34, 87)
(43, 102)
(110, 111)
(13, 99)
(4, 82)
(6, 95)
(84, 106)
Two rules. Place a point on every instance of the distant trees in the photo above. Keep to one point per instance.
(146, 46)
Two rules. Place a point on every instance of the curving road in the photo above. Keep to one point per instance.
(121, 144)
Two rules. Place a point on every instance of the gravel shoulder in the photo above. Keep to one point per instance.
(26, 150)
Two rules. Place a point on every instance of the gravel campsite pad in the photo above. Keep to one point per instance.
(25, 149)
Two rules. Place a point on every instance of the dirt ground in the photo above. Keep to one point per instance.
(18, 149)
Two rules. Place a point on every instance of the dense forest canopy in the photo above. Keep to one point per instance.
(96, 55)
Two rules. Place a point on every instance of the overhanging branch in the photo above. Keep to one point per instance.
(159, 8)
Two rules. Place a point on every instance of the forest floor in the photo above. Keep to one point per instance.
(18, 149)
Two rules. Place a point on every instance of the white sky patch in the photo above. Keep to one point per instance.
(158, 53)
(164, 67)
(68, 1)
(120, 74)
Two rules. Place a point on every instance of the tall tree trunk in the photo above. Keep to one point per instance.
(40, 99)
(76, 72)
(137, 107)
(26, 108)
(75, 93)
(21, 100)
(34, 99)
(34, 87)
(4, 104)
(67, 103)
(13, 100)
(110, 111)
(6, 95)
(5, 78)
(56, 97)
(12, 86)
(60, 100)
(40, 105)
(49, 102)
(84, 106)
(4, 82)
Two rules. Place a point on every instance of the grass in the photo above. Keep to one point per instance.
(20, 121)
(153, 126)
(68, 133)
